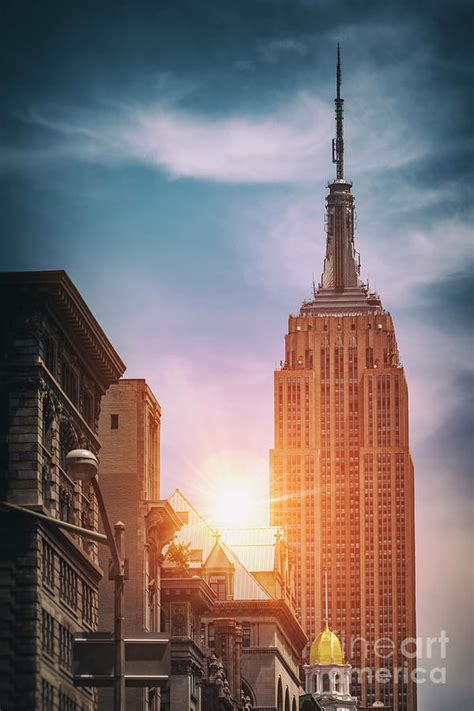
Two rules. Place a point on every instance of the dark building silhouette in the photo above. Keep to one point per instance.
(341, 470)
(55, 365)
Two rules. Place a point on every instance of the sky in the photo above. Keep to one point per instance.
(173, 158)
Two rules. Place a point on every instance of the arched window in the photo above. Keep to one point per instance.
(337, 680)
(47, 422)
(247, 691)
(68, 440)
(280, 696)
(326, 683)
(293, 705)
(287, 700)
(315, 682)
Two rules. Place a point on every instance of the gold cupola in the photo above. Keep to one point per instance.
(326, 648)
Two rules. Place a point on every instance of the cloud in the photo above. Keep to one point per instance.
(290, 143)
(273, 50)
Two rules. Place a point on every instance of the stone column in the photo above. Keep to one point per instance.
(237, 692)
(225, 648)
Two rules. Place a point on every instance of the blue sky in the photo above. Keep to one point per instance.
(173, 158)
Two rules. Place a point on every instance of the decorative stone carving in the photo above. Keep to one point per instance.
(180, 625)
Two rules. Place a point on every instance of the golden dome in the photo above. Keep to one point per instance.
(326, 649)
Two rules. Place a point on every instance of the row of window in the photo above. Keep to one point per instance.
(49, 694)
(56, 637)
(69, 379)
(69, 586)
(208, 635)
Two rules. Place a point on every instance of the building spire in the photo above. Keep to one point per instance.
(326, 593)
(338, 142)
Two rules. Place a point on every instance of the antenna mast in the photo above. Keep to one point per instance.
(338, 142)
(326, 590)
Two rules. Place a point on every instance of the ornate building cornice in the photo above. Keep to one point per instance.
(57, 290)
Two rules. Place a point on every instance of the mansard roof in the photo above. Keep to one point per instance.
(255, 547)
(199, 534)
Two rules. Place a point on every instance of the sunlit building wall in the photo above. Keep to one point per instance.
(129, 428)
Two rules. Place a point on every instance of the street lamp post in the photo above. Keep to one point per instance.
(82, 465)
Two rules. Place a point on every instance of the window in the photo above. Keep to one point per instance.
(114, 422)
(68, 584)
(65, 647)
(69, 381)
(66, 703)
(65, 503)
(47, 695)
(88, 407)
(88, 611)
(211, 641)
(47, 633)
(246, 634)
(326, 683)
(49, 354)
(218, 584)
(280, 696)
(47, 428)
(48, 564)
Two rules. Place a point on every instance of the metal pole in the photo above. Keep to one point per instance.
(78, 530)
(116, 548)
(119, 685)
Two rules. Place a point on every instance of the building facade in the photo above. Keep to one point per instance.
(55, 366)
(129, 430)
(252, 627)
(341, 470)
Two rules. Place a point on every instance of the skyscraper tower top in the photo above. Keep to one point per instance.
(341, 289)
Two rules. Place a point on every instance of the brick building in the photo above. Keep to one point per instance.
(55, 365)
(129, 431)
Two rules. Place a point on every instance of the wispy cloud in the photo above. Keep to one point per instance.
(275, 49)
(290, 143)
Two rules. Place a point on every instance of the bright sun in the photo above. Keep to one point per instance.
(233, 504)
(237, 495)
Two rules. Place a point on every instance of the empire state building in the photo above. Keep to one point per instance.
(341, 478)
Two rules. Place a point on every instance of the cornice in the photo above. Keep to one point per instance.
(64, 298)
(162, 522)
(196, 589)
(278, 608)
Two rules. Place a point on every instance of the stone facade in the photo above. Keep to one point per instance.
(255, 636)
(183, 602)
(55, 365)
(129, 430)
